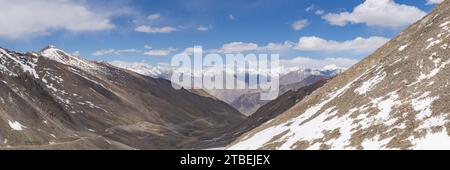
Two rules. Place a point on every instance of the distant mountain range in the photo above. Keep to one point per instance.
(247, 101)
(164, 70)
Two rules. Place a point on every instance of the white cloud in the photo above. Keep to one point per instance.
(105, 52)
(148, 46)
(239, 47)
(153, 17)
(231, 17)
(383, 13)
(151, 29)
(307, 62)
(300, 24)
(157, 53)
(203, 28)
(150, 52)
(29, 17)
(319, 12)
(431, 2)
(160, 52)
(279, 46)
(313, 43)
(128, 51)
(310, 8)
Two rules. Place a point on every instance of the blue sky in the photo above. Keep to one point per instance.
(126, 29)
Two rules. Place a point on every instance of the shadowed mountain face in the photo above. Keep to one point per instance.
(53, 100)
(397, 98)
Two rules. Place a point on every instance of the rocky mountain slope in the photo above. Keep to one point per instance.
(262, 115)
(54, 100)
(397, 98)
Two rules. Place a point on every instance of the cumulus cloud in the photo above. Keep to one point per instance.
(383, 13)
(239, 47)
(314, 43)
(151, 29)
(431, 2)
(30, 17)
(243, 47)
(300, 24)
(311, 43)
(106, 52)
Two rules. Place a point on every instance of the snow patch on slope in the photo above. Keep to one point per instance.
(16, 125)
(27, 66)
(301, 129)
(369, 84)
(385, 106)
(423, 105)
(403, 47)
(433, 141)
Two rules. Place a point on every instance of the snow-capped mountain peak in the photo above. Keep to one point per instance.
(55, 54)
(156, 71)
(163, 70)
